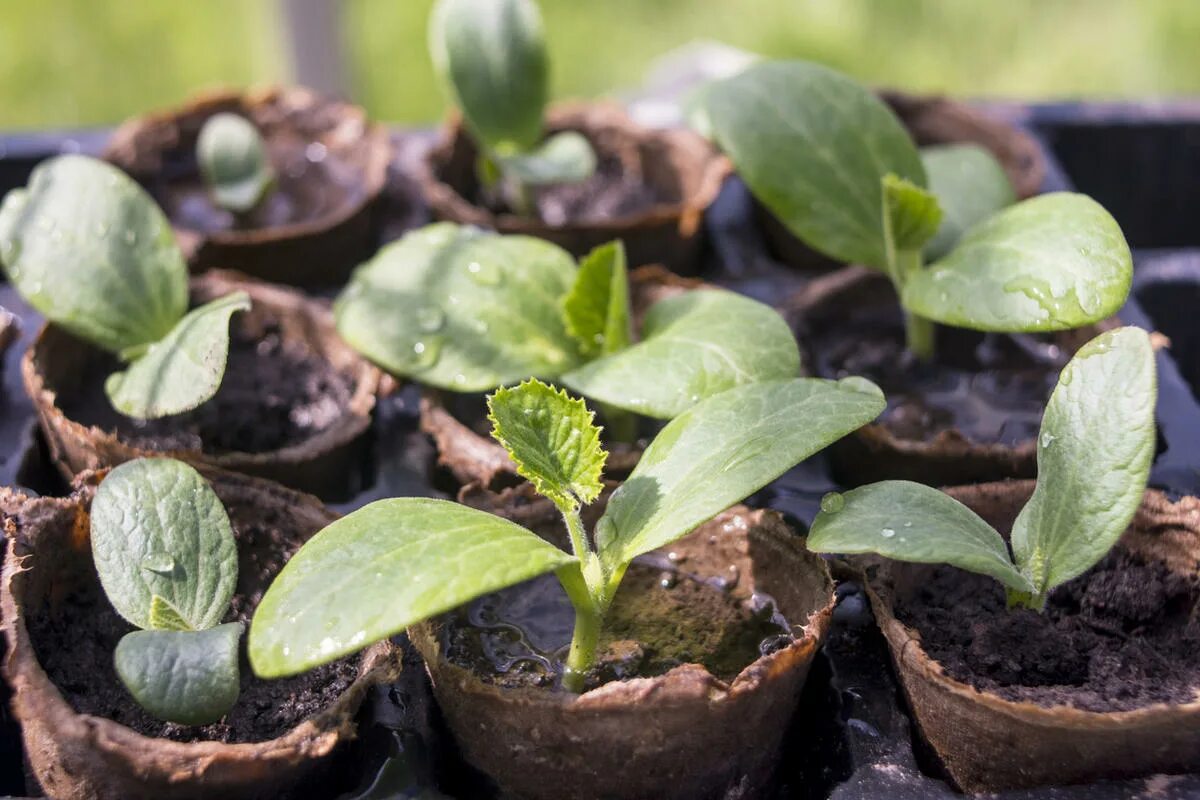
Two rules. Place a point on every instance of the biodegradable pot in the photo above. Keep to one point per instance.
(323, 464)
(685, 734)
(469, 456)
(331, 166)
(681, 171)
(930, 120)
(77, 756)
(988, 743)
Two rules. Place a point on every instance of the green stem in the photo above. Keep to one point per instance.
(588, 620)
(918, 335)
(622, 425)
(579, 542)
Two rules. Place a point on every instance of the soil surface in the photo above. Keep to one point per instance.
(274, 395)
(75, 646)
(1121, 636)
(659, 620)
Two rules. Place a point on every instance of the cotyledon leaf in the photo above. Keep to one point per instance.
(565, 157)
(596, 310)
(912, 213)
(233, 159)
(188, 677)
(970, 185)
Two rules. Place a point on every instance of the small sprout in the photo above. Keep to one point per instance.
(1097, 444)
(397, 562)
(233, 161)
(167, 560)
(89, 249)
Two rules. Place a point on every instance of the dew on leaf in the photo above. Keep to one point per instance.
(887, 533)
(161, 563)
(833, 502)
(485, 274)
(430, 319)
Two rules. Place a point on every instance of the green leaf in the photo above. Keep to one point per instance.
(388, 565)
(459, 308)
(565, 157)
(723, 450)
(184, 369)
(813, 145)
(492, 57)
(912, 522)
(187, 677)
(552, 439)
(970, 185)
(596, 310)
(1094, 454)
(157, 528)
(913, 214)
(89, 249)
(694, 345)
(164, 617)
(233, 160)
(1053, 262)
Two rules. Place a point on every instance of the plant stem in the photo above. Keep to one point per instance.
(588, 620)
(579, 542)
(918, 335)
(622, 425)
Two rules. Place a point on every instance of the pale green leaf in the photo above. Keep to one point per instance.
(596, 310)
(89, 249)
(723, 450)
(552, 439)
(1054, 262)
(184, 369)
(187, 677)
(909, 521)
(233, 160)
(913, 214)
(1094, 453)
(157, 528)
(693, 345)
(462, 309)
(164, 617)
(388, 565)
(565, 157)
(813, 145)
(970, 185)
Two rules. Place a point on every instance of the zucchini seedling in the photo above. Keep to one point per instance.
(233, 161)
(1094, 453)
(167, 560)
(491, 56)
(89, 249)
(833, 163)
(397, 562)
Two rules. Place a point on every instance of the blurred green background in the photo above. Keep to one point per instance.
(87, 62)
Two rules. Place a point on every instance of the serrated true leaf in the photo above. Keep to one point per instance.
(89, 249)
(693, 346)
(164, 617)
(188, 677)
(565, 157)
(596, 310)
(970, 185)
(182, 370)
(552, 439)
(912, 522)
(1094, 453)
(723, 450)
(912, 213)
(233, 159)
(382, 568)
(152, 509)
(1054, 262)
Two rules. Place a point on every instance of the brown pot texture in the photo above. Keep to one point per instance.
(322, 464)
(468, 456)
(335, 186)
(685, 734)
(78, 756)
(683, 171)
(930, 120)
(988, 743)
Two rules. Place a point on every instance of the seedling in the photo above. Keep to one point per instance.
(397, 562)
(167, 561)
(467, 310)
(1096, 444)
(233, 161)
(492, 59)
(835, 165)
(89, 249)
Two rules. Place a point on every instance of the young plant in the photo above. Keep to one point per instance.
(492, 59)
(397, 562)
(463, 309)
(1096, 445)
(233, 161)
(167, 560)
(834, 164)
(89, 249)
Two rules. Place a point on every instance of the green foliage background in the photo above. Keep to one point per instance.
(91, 62)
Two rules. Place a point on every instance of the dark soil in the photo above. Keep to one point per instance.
(1122, 636)
(274, 395)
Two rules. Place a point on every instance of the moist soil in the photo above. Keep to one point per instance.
(274, 394)
(660, 619)
(1121, 636)
(75, 644)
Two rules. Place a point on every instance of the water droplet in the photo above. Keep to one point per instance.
(887, 533)
(908, 524)
(832, 503)
(161, 563)
(426, 352)
(667, 580)
(430, 319)
(460, 379)
(1048, 439)
(485, 274)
